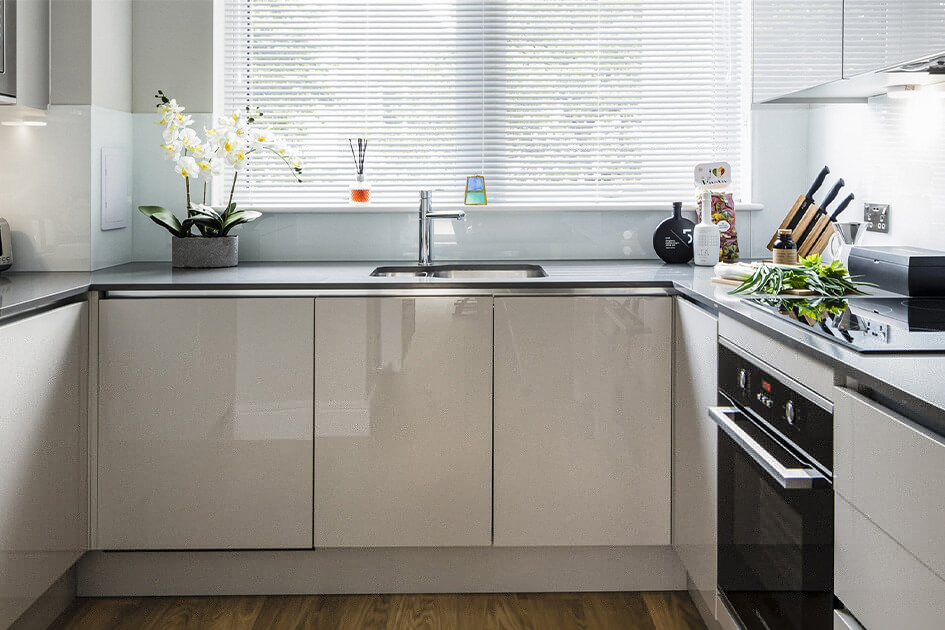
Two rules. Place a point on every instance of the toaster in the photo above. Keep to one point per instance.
(6, 245)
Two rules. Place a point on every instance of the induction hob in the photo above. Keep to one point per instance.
(866, 324)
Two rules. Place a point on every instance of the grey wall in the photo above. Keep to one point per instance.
(110, 56)
(51, 174)
(110, 79)
(172, 51)
(184, 70)
(891, 152)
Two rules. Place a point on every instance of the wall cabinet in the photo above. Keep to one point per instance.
(695, 449)
(25, 57)
(43, 473)
(582, 420)
(879, 33)
(205, 423)
(795, 46)
(810, 44)
(403, 426)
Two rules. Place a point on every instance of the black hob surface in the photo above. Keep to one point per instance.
(867, 324)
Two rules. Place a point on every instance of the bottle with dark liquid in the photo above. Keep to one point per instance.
(784, 250)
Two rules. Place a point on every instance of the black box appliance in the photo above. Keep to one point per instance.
(900, 269)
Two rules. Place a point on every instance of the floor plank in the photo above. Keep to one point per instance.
(499, 611)
(672, 611)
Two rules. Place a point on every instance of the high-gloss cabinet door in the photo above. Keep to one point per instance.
(882, 33)
(205, 423)
(878, 580)
(695, 448)
(892, 470)
(582, 420)
(403, 446)
(795, 46)
(43, 478)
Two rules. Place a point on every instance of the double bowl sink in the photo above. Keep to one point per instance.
(467, 271)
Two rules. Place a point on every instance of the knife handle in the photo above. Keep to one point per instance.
(832, 195)
(843, 206)
(817, 183)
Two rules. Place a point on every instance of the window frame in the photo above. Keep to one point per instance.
(744, 177)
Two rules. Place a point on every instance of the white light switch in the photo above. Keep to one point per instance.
(116, 204)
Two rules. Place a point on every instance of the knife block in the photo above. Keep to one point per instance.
(816, 242)
(809, 215)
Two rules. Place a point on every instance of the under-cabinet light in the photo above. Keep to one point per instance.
(900, 91)
(23, 123)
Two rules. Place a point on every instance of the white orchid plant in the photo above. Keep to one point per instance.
(230, 142)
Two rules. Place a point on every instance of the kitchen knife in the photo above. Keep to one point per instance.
(843, 206)
(794, 216)
(821, 219)
(819, 244)
(809, 198)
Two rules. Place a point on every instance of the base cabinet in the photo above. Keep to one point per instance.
(695, 448)
(582, 420)
(878, 580)
(403, 444)
(889, 563)
(43, 474)
(205, 423)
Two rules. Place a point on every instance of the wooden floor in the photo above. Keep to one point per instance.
(552, 611)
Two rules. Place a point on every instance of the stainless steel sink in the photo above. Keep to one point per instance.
(394, 272)
(472, 271)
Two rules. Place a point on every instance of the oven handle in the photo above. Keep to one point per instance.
(788, 478)
(843, 619)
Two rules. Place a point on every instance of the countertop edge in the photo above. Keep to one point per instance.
(692, 283)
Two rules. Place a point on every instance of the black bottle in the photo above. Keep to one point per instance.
(784, 250)
(672, 239)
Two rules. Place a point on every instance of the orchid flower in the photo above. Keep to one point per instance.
(231, 141)
(187, 167)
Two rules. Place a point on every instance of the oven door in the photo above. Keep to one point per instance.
(775, 529)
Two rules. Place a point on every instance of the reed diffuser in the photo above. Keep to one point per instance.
(360, 190)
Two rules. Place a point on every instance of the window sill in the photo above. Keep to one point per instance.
(377, 208)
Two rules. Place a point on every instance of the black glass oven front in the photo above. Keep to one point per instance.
(775, 553)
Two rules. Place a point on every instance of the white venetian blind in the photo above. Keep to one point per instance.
(563, 103)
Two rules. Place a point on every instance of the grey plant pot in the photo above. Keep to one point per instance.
(200, 252)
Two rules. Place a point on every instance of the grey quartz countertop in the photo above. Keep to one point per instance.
(25, 291)
(356, 275)
(921, 376)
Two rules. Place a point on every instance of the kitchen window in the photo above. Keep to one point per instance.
(570, 104)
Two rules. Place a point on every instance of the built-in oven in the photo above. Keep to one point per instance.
(775, 496)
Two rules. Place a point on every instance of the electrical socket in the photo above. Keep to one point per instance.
(876, 216)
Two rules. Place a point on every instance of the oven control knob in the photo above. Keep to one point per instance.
(789, 412)
(742, 378)
(767, 402)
